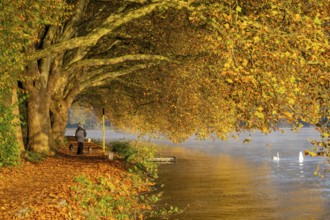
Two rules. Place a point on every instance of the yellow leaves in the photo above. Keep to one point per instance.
(245, 62)
(229, 80)
(325, 135)
(228, 63)
(247, 140)
(317, 172)
(281, 88)
(302, 61)
(288, 115)
(287, 54)
(242, 25)
(260, 108)
(256, 39)
(311, 153)
(248, 45)
(249, 79)
(294, 55)
(317, 20)
(259, 113)
(257, 58)
(274, 12)
(292, 79)
(291, 101)
(227, 17)
(297, 17)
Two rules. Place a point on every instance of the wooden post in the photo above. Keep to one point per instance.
(103, 131)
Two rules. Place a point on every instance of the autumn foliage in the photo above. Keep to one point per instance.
(238, 65)
(67, 186)
(175, 68)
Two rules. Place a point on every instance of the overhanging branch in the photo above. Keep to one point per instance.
(100, 74)
(117, 60)
(109, 25)
(99, 78)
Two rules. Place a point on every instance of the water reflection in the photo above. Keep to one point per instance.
(230, 184)
(230, 180)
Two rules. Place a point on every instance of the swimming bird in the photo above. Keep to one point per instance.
(301, 157)
(277, 158)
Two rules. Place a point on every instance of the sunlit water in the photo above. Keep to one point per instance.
(232, 180)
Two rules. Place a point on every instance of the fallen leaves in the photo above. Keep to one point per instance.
(43, 190)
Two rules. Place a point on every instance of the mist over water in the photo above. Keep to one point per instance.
(231, 180)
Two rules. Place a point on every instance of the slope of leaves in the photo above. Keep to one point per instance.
(68, 187)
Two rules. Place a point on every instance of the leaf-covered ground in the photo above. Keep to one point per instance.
(44, 190)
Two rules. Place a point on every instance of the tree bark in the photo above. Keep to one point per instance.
(17, 122)
(60, 118)
(38, 111)
(110, 24)
(56, 69)
(39, 124)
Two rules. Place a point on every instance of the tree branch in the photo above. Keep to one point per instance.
(99, 78)
(103, 79)
(116, 60)
(70, 28)
(109, 25)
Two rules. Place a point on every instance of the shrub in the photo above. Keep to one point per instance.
(9, 149)
(34, 157)
(138, 154)
(105, 198)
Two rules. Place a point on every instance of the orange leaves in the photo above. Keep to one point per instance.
(297, 17)
(46, 190)
(22, 23)
(245, 66)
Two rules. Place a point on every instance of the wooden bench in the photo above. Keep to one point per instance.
(88, 145)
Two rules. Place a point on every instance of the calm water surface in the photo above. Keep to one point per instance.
(232, 180)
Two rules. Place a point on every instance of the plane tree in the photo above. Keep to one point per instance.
(65, 60)
(181, 67)
(249, 66)
(20, 23)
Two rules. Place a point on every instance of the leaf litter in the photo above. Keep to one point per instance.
(44, 190)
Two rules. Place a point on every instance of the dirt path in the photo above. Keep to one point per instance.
(42, 191)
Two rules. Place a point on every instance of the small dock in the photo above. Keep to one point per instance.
(171, 159)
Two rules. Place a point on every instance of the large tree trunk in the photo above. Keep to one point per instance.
(59, 121)
(38, 110)
(61, 63)
(39, 123)
(17, 122)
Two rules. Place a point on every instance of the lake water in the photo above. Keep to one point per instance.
(232, 180)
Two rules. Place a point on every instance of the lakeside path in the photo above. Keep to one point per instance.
(43, 190)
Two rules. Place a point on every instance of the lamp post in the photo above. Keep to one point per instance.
(103, 130)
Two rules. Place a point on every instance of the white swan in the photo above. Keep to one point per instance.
(301, 157)
(277, 158)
